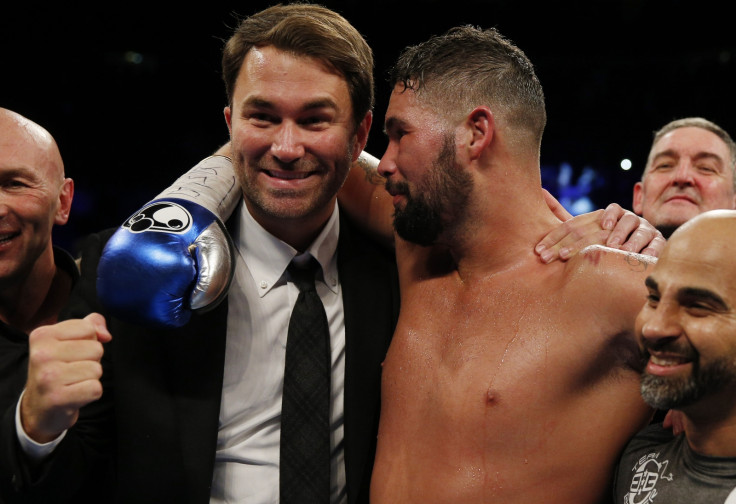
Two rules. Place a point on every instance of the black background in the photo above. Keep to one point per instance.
(613, 72)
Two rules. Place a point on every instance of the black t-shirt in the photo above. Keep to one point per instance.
(14, 343)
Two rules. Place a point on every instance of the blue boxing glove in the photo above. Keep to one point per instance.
(174, 256)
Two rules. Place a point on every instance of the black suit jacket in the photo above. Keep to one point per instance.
(160, 409)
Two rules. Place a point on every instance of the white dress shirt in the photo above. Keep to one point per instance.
(260, 302)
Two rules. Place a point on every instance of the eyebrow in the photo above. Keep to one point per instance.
(651, 283)
(258, 102)
(698, 156)
(392, 123)
(702, 294)
(19, 171)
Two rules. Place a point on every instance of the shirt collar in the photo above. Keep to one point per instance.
(267, 257)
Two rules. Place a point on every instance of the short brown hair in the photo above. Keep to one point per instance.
(469, 66)
(305, 29)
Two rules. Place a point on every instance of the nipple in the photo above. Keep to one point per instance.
(491, 396)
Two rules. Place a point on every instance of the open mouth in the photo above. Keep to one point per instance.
(668, 360)
(664, 364)
(6, 237)
(288, 175)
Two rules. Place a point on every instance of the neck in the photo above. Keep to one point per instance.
(38, 298)
(711, 428)
(502, 229)
(298, 232)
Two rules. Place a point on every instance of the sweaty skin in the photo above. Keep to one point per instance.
(496, 391)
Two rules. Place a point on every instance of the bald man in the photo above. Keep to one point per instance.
(34, 196)
(35, 277)
(687, 333)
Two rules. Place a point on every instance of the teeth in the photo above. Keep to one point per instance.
(289, 175)
(666, 361)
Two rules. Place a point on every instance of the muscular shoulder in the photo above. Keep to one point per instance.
(611, 280)
(611, 268)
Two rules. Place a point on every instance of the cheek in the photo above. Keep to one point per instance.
(717, 193)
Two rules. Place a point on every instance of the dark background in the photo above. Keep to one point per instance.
(133, 95)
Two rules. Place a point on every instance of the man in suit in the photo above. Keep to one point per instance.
(194, 414)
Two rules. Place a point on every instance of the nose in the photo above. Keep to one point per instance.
(660, 323)
(683, 174)
(287, 145)
(387, 165)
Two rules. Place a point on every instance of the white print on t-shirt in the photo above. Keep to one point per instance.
(647, 473)
(731, 499)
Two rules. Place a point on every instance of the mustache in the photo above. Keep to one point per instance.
(674, 348)
(395, 188)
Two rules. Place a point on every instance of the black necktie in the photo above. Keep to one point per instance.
(305, 407)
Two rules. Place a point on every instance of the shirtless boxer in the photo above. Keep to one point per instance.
(507, 380)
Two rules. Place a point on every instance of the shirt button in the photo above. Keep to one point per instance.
(263, 284)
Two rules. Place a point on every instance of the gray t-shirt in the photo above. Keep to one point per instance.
(657, 468)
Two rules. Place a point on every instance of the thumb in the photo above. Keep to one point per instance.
(100, 325)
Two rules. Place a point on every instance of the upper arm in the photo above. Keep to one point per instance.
(364, 198)
(616, 281)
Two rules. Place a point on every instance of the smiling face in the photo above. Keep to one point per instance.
(689, 172)
(33, 196)
(293, 141)
(687, 328)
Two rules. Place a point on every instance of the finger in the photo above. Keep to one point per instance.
(597, 237)
(611, 215)
(99, 323)
(69, 329)
(667, 422)
(57, 376)
(621, 232)
(557, 209)
(655, 247)
(577, 226)
(566, 236)
(42, 351)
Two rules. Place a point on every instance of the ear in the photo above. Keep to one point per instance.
(361, 135)
(228, 119)
(638, 197)
(66, 194)
(481, 126)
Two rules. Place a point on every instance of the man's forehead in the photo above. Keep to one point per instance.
(701, 255)
(26, 148)
(691, 139)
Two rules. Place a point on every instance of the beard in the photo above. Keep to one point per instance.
(677, 392)
(442, 199)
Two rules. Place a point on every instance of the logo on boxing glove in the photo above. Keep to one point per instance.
(163, 216)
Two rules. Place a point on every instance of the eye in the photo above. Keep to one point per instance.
(653, 300)
(699, 310)
(707, 169)
(315, 120)
(259, 118)
(14, 184)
